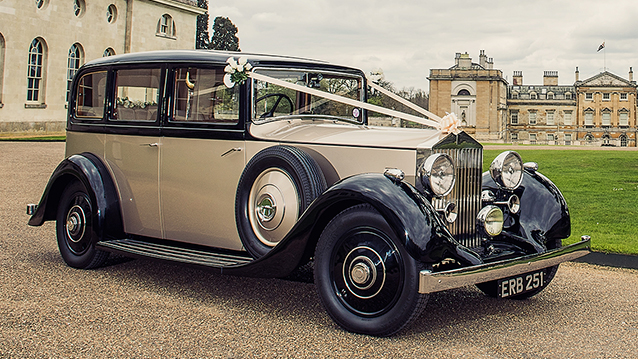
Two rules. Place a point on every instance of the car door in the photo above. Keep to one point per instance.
(201, 158)
(132, 147)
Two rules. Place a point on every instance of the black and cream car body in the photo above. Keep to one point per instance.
(278, 169)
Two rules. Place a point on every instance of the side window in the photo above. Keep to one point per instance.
(201, 96)
(91, 91)
(136, 95)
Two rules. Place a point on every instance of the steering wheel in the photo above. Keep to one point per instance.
(279, 96)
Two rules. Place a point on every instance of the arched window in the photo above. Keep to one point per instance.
(108, 52)
(41, 4)
(78, 7)
(166, 26)
(74, 61)
(464, 92)
(35, 71)
(1, 66)
(111, 13)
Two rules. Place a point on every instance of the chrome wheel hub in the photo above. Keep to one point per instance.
(363, 272)
(75, 223)
(273, 206)
(266, 208)
(362, 268)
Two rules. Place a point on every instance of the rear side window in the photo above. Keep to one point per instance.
(201, 96)
(91, 92)
(136, 94)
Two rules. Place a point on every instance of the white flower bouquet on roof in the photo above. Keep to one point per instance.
(236, 71)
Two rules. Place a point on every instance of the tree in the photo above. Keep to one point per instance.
(224, 37)
(203, 38)
(416, 96)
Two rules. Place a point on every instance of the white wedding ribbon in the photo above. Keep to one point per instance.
(351, 102)
(403, 101)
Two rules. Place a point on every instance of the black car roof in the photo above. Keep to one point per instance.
(217, 57)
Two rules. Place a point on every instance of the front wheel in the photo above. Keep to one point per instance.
(366, 280)
(75, 228)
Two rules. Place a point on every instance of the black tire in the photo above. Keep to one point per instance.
(277, 185)
(75, 228)
(491, 288)
(366, 280)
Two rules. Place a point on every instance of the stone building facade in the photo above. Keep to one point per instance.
(598, 111)
(541, 114)
(476, 92)
(607, 110)
(43, 43)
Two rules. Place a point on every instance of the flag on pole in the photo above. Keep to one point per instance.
(602, 46)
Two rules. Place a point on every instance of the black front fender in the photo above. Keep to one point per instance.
(544, 216)
(88, 169)
(409, 214)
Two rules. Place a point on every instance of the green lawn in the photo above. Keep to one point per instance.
(601, 189)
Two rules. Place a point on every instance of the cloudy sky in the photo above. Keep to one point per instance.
(407, 38)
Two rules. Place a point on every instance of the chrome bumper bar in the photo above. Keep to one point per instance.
(430, 282)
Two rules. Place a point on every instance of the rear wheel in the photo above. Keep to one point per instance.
(75, 228)
(366, 280)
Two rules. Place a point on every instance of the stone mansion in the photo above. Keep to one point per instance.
(44, 42)
(600, 110)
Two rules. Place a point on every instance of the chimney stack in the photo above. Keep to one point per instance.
(483, 59)
(631, 74)
(550, 78)
(576, 74)
(517, 79)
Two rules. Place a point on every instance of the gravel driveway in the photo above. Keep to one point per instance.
(145, 309)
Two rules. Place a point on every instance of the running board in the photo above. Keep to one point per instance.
(173, 253)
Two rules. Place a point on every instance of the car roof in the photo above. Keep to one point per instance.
(217, 57)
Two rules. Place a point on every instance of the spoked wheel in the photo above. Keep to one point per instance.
(366, 280)
(277, 185)
(75, 228)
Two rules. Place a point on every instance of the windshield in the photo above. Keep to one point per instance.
(273, 101)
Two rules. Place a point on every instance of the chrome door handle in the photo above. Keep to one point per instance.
(236, 149)
(154, 144)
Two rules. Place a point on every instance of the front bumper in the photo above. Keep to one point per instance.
(430, 282)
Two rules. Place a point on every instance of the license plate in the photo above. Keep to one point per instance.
(523, 283)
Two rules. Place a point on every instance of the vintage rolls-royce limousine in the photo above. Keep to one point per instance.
(258, 165)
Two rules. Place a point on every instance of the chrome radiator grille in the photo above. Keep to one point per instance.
(466, 193)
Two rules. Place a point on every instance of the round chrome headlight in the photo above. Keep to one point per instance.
(507, 170)
(490, 219)
(437, 174)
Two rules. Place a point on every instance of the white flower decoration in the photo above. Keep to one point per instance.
(449, 124)
(236, 71)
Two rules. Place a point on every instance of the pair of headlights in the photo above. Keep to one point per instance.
(438, 176)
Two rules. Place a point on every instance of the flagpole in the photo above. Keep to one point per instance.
(604, 58)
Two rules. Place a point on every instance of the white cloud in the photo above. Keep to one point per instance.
(407, 38)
